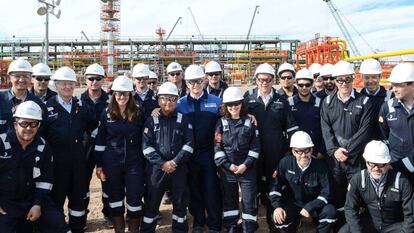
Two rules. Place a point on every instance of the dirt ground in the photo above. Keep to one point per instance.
(96, 224)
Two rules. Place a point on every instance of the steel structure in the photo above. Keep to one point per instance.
(110, 31)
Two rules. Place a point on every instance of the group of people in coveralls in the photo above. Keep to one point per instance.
(314, 149)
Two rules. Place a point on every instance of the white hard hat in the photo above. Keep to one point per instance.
(20, 65)
(304, 74)
(29, 110)
(193, 72)
(265, 68)
(212, 66)
(140, 70)
(95, 69)
(122, 83)
(315, 68)
(326, 70)
(342, 68)
(377, 152)
(64, 74)
(301, 139)
(41, 69)
(174, 66)
(402, 73)
(285, 67)
(153, 75)
(232, 94)
(168, 88)
(370, 66)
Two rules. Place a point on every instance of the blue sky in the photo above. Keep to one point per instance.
(385, 24)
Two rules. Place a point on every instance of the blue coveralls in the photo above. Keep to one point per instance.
(397, 128)
(148, 104)
(64, 131)
(8, 105)
(118, 151)
(217, 92)
(307, 116)
(274, 122)
(167, 138)
(49, 94)
(26, 178)
(295, 189)
(237, 142)
(205, 194)
(99, 106)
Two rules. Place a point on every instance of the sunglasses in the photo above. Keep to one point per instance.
(326, 78)
(233, 104)
(302, 85)
(122, 93)
(168, 98)
(378, 165)
(286, 77)
(342, 81)
(268, 80)
(197, 81)
(41, 79)
(151, 83)
(32, 124)
(175, 74)
(303, 151)
(142, 78)
(214, 74)
(94, 79)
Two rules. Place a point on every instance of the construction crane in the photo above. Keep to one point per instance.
(251, 24)
(87, 39)
(195, 22)
(169, 34)
(335, 13)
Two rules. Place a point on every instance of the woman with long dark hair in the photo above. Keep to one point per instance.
(120, 162)
(236, 151)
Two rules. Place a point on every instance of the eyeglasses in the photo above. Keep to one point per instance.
(122, 93)
(142, 78)
(302, 151)
(302, 85)
(152, 82)
(197, 81)
(286, 77)
(168, 98)
(95, 79)
(175, 74)
(262, 80)
(41, 79)
(214, 74)
(233, 104)
(342, 81)
(32, 124)
(378, 165)
(326, 78)
(20, 75)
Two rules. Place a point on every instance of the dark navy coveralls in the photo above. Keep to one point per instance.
(64, 132)
(347, 125)
(26, 178)
(167, 138)
(217, 92)
(397, 128)
(205, 194)
(388, 206)
(274, 121)
(237, 142)
(118, 151)
(99, 106)
(148, 104)
(49, 94)
(307, 116)
(377, 100)
(8, 105)
(295, 189)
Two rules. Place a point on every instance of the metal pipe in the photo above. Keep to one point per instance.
(384, 54)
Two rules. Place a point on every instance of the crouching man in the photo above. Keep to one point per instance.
(302, 187)
(26, 176)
